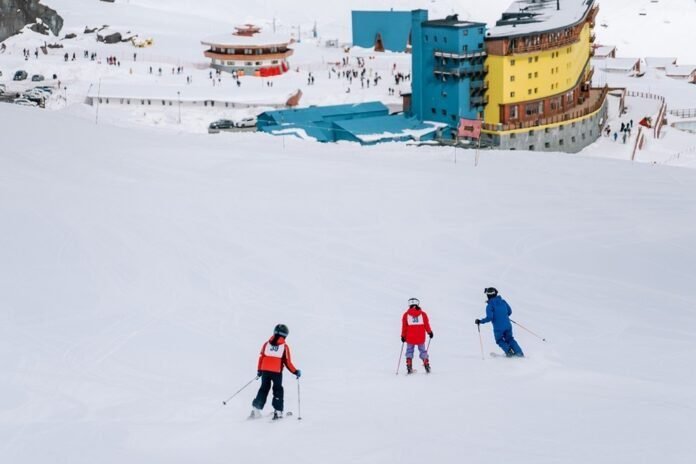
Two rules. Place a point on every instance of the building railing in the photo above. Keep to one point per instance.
(528, 48)
(684, 113)
(594, 103)
(461, 71)
(460, 56)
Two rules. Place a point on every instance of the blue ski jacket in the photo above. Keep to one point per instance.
(498, 312)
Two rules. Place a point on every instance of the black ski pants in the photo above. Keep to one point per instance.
(268, 378)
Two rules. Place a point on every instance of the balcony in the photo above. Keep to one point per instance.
(462, 71)
(589, 106)
(593, 37)
(460, 56)
(479, 100)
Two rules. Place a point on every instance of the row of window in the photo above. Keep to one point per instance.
(127, 101)
(242, 63)
(535, 59)
(246, 51)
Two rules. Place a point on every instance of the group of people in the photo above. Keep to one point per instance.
(625, 131)
(415, 325)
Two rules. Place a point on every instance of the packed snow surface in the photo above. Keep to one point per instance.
(141, 274)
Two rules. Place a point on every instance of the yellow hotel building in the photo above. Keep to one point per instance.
(539, 93)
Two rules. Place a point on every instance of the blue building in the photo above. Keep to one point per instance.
(448, 81)
(382, 30)
(365, 123)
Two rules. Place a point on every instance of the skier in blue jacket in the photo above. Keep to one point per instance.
(498, 312)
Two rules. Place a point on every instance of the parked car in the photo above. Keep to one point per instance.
(25, 102)
(37, 78)
(20, 75)
(45, 88)
(245, 123)
(220, 125)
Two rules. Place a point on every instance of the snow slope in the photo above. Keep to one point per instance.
(140, 275)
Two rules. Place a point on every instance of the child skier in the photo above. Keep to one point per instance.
(498, 312)
(414, 325)
(275, 354)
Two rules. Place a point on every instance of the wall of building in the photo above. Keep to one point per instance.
(553, 72)
(441, 96)
(569, 137)
(393, 27)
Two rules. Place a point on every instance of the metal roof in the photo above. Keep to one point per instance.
(525, 17)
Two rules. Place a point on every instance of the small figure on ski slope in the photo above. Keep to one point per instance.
(414, 325)
(498, 312)
(275, 355)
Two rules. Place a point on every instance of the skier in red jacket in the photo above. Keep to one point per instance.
(414, 325)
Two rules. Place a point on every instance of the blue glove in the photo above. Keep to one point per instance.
(298, 373)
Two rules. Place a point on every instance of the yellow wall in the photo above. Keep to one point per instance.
(554, 74)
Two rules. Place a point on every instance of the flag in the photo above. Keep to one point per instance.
(469, 128)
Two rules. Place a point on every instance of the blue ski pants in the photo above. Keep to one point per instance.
(507, 342)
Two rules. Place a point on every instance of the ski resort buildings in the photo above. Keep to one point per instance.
(539, 77)
(249, 51)
(382, 30)
(448, 70)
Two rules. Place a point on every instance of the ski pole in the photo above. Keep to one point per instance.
(480, 341)
(524, 328)
(299, 403)
(400, 355)
(239, 391)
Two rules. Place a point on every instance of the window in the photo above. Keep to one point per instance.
(480, 30)
(529, 91)
(466, 31)
(561, 142)
(561, 127)
(514, 112)
(536, 74)
(444, 112)
(512, 94)
(444, 39)
(426, 37)
(454, 117)
(433, 110)
(480, 45)
(536, 59)
(512, 78)
(536, 90)
(572, 139)
(529, 76)
(434, 38)
(531, 59)
(531, 148)
(547, 145)
(512, 62)
(531, 132)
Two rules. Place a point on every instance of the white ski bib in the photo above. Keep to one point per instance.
(274, 351)
(414, 320)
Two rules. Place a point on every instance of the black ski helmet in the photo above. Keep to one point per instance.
(414, 302)
(281, 330)
(490, 292)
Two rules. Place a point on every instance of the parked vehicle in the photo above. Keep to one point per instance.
(25, 102)
(45, 88)
(220, 125)
(20, 75)
(245, 123)
(37, 78)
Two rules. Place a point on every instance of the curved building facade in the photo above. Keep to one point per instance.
(249, 52)
(539, 93)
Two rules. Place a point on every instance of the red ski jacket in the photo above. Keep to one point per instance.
(414, 325)
(274, 355)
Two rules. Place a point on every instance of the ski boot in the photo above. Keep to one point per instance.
(277, 415)
(510, 353)
(409, 366)
(255, 414)
(426, 364)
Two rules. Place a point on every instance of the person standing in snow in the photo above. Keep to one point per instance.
(275, 355)
(498, 312)
(414, 325)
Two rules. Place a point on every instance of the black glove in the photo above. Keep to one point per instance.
(403, 339)
(258, 374)
(431, 335)
(477, 321)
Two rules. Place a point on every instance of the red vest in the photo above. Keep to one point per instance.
(274, 357)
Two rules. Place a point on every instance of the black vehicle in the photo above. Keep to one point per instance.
(37, 78)
(20, 75)
(220, 125)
